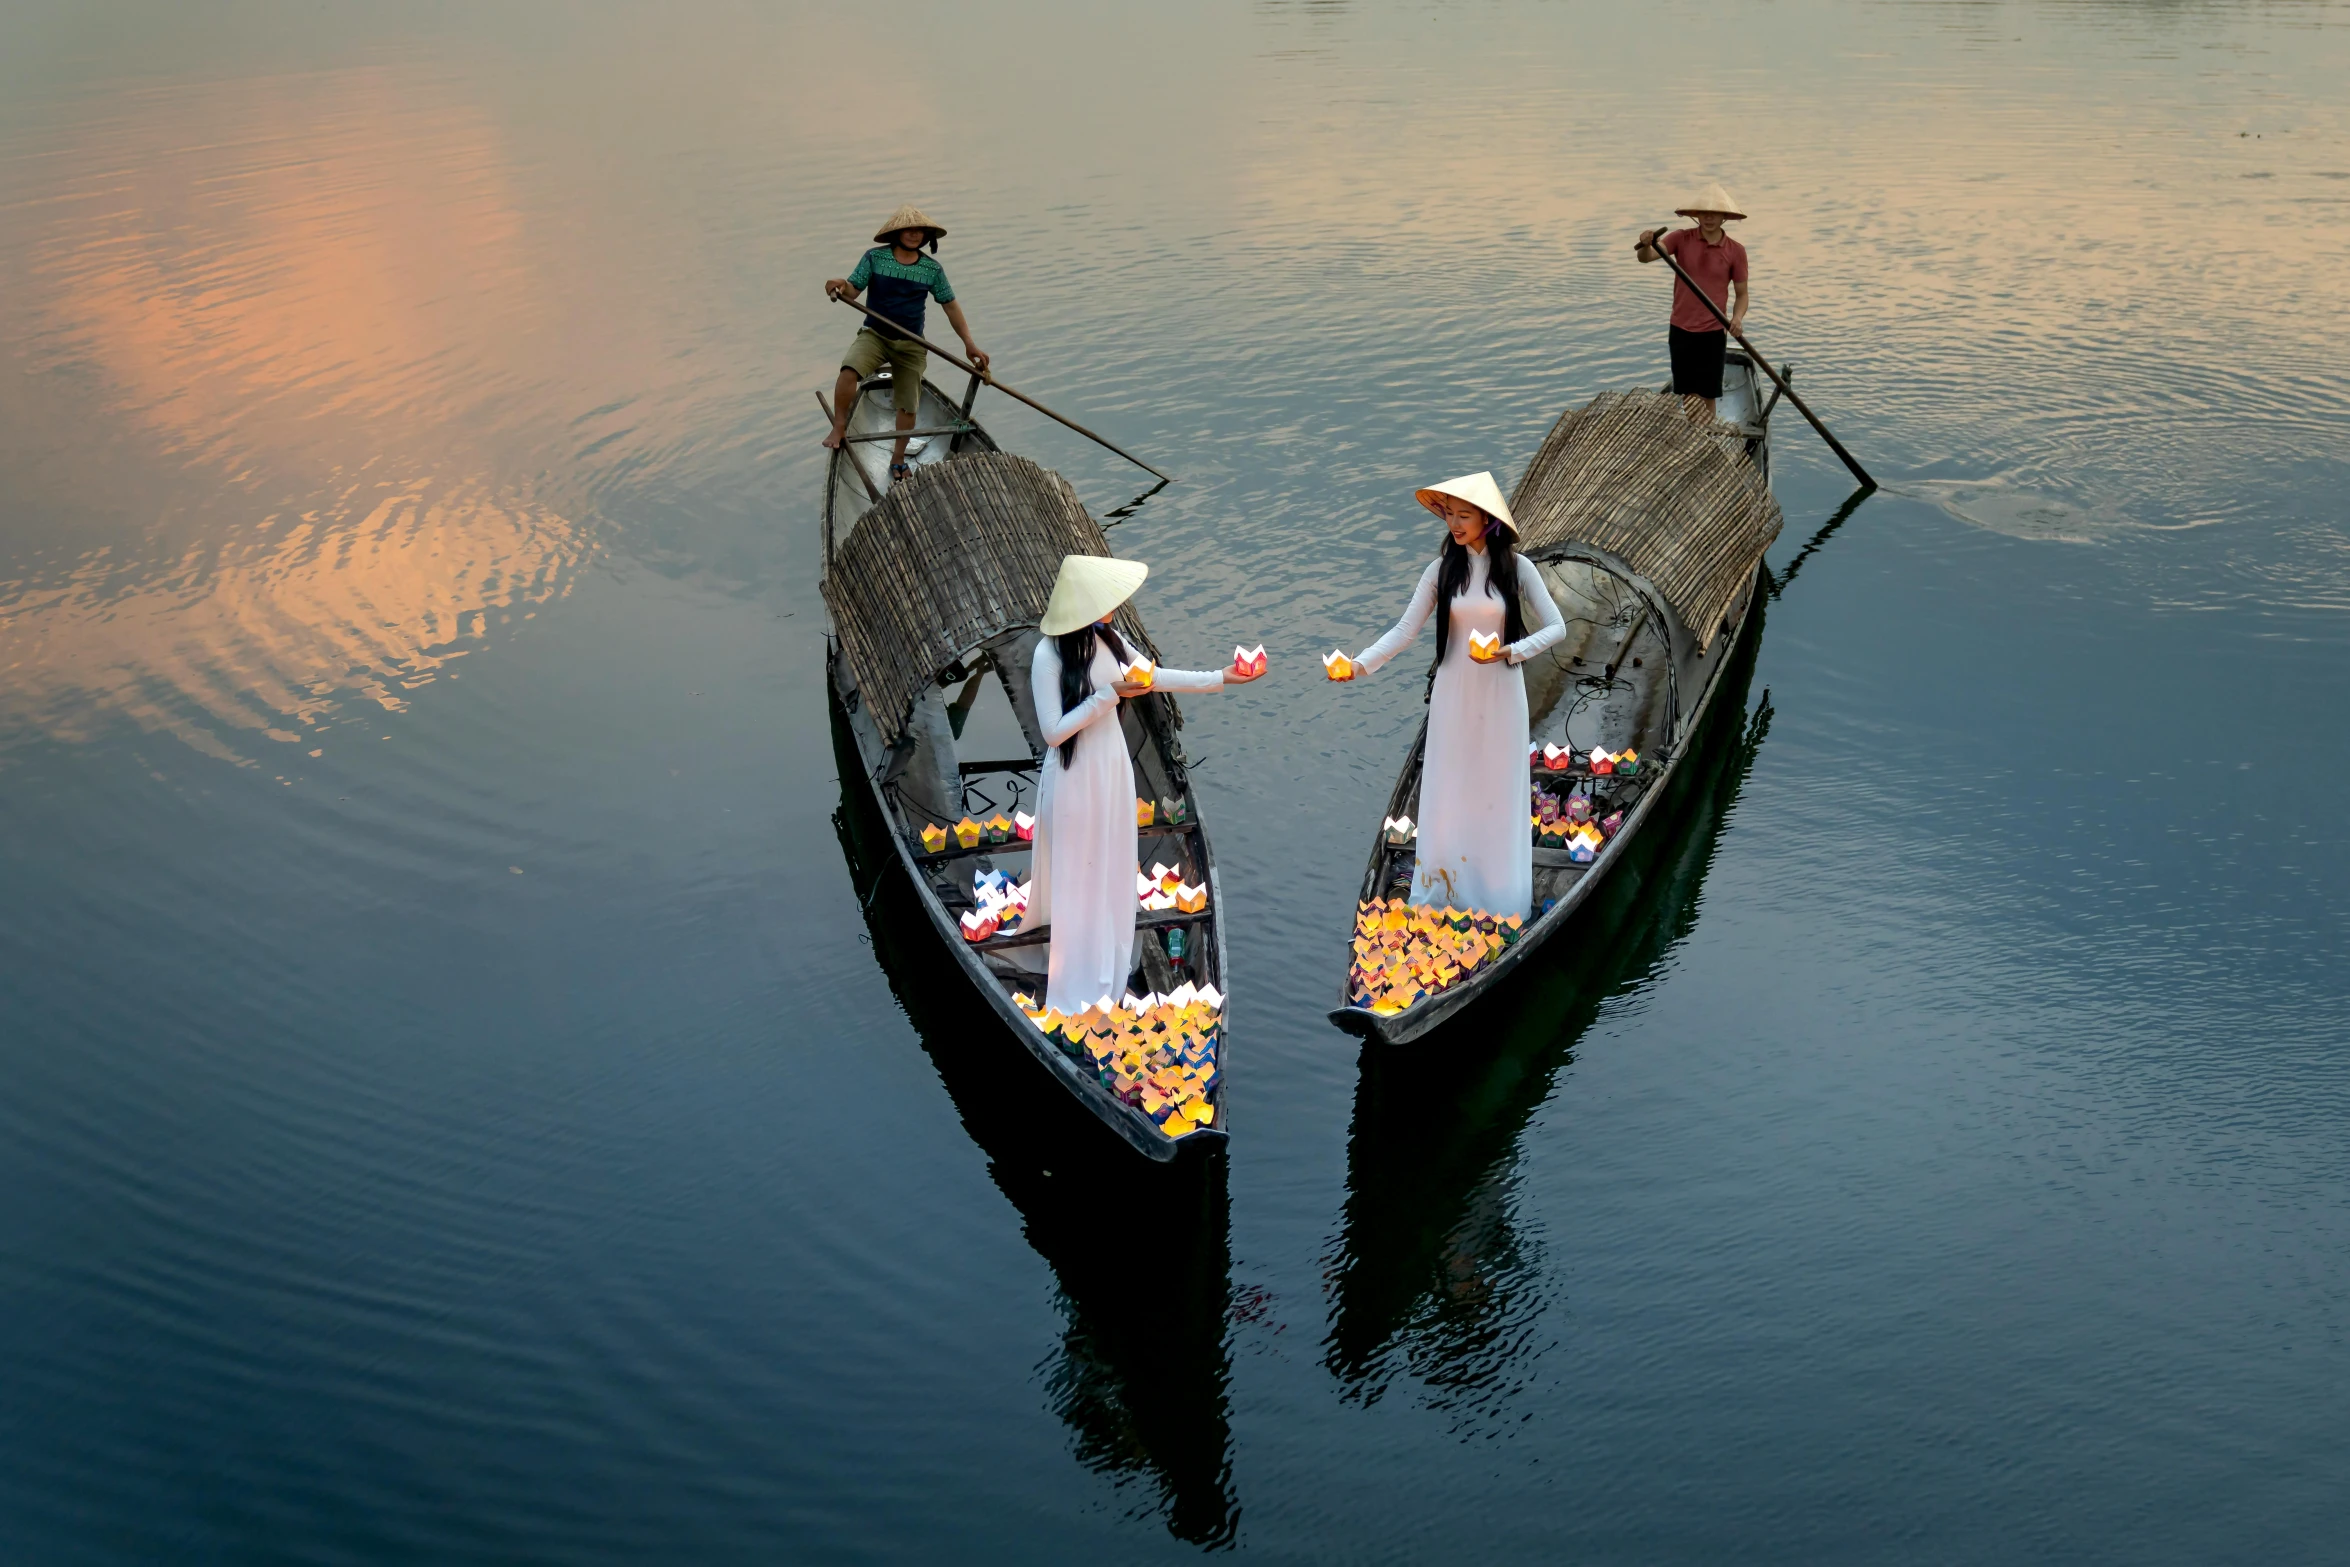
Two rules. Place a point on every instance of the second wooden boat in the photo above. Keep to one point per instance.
(1649, 530)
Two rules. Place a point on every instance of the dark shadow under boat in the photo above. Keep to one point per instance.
(1140, 1251)
(1428, 1276)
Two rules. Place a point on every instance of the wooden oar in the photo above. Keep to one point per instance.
(1754, 353)
(897, 332)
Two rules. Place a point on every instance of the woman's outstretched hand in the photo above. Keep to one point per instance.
(1128, 690)
(1233, 677)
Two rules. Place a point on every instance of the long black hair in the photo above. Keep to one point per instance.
(1501, 576)
(1076, 648)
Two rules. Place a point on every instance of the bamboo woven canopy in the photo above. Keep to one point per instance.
(1677, 501)
(952, 557)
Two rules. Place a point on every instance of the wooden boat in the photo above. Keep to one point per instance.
(933, 588)
(1650, 530)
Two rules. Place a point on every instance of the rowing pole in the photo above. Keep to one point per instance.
(898, 332)
(1754, 353)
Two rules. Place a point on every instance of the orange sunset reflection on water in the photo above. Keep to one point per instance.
(317, 290)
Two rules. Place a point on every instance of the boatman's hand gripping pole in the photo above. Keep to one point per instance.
(898, 332)
(1754, 353)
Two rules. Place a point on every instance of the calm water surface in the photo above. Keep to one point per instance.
(465, 1099)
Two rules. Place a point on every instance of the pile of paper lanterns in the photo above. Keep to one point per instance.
(1405, 954)
(999, 829)
(1569, 824)
(998, 904)
(1598, 761)
(1162, 889)
(1156, 1053)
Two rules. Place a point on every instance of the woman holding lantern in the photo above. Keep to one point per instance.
(1082, 873)
(1474, 850)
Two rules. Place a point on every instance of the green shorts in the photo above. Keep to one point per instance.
(906, 363)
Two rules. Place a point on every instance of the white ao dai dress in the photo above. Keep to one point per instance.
(1475, 850)
(1081, 880)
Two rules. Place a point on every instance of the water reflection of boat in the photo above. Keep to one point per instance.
(1649, 531)
(1428, 1274)
(1143, 1370)
(933, 590)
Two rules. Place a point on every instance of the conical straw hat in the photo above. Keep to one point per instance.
(1089, 587)
(1711, 199)
(1478, 489)
(907, 217)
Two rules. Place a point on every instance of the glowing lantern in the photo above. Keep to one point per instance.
(967, 833)
(1484, 647)
(1142, 672)
(1338, 666)
(1023, 826)
(1249, 660)
(934, 838)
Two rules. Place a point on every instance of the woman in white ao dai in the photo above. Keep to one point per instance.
(1474, 849)
(1081, 881)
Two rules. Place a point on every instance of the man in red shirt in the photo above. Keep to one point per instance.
(1717, 263)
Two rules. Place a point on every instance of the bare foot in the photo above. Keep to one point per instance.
(832, 441)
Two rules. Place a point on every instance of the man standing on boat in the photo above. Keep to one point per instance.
(899, 275)
(1717, 263)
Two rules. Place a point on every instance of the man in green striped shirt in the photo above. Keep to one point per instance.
(900, 277)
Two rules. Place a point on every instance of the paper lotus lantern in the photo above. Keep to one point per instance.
(1558, 758)
(1190, 899)
(1144, 812)
(934, 838)
(1174, 813)
(998, 828)
(1168, 877)
(1485, 647)
(967, 833)
(978, 925)
(1159, 902)
(1612, 823)
(1629, 762)
(1142, 672)
(1023, 826)
(1338, 666)
(1579, 808)
(1249, 660)
(1603, 762)
(1546, 806)
(1398, 829)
